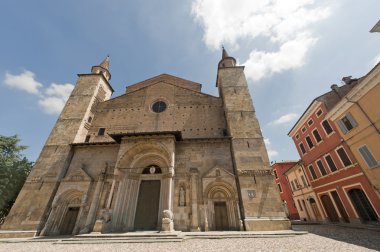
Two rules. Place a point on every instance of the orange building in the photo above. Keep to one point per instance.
(304, 197)
(357, 117)
(286, 193)
(337, 179)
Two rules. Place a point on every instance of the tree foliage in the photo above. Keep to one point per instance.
(14, 168)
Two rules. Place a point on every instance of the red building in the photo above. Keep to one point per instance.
(336, 178)
(286, 194)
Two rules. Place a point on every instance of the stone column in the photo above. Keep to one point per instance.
(50, 220)
(110, 196)
(94, 204)
(167, 199)
(194, 200)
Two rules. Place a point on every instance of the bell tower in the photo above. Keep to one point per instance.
(33, 203)
(260, 204)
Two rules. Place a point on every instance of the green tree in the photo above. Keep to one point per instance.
(14, 168)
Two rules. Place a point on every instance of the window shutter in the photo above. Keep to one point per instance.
(367, 156)
(342, 126)
(351, 119)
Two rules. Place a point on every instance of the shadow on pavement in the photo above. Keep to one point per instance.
(361, 237)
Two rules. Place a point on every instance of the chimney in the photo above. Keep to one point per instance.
(335, 88)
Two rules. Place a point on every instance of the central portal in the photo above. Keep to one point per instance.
(221, 218)
(147, 205)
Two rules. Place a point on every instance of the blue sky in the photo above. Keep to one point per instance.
(293, 51)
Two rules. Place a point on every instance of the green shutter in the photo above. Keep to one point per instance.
(342, 126)
(351, 119)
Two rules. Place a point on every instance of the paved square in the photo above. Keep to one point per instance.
(320, 238)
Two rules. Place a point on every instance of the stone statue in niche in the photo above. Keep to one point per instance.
(217, 172)
(182, 196)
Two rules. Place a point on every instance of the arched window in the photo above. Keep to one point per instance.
(151, 169)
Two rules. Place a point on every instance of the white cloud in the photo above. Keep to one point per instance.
(24, 81)
(60, 90)
(291, 55)
(375, 60)
(51, 105)
(51, 100)
(272, 154)
(284, 24)
(284, 119)
(266, 141)
(55, 97)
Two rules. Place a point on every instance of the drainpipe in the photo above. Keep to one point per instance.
(366, 115)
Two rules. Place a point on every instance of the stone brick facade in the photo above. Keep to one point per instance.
(105, 160)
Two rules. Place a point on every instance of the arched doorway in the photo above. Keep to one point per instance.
(145, 178)
(68, 222)
(147, 209)
(329, 208)
(222, 207)
(314, 208)
(65, 213)
(362, 205)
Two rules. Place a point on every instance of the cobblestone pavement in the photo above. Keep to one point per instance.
(320, 238)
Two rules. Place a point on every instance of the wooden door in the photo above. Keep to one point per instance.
(329, 208)
(221, 217)
(362, 205)
(68, 223)
(147, 205)
(340, 206)
(314, 207)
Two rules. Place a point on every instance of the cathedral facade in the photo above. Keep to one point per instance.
(163, 156)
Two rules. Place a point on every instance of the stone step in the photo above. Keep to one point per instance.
(4, 234)
(114, 240)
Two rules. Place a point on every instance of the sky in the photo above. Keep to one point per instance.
(293, 51)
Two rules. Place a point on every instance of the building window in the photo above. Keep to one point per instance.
(347, 123)
(317, 136)
(279, 187)
(298, 186)
(297, 136)
(275, 174)
(368, 157)
(159, 106)
(101, 131)
(87, 139)
(319, 113)
(293, 186)
(327, 127)
(343, 156)
(303, 181)
(310, 122)
(309, 142)
(321, 168)
(303, 129)
(303, 150)
(299, 204)
(312, 172)
(331, 163)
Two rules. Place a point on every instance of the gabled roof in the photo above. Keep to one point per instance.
(167, 78)
(329, 99)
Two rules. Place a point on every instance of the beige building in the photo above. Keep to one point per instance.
(162, 156)
(304, 197)
(357, 116)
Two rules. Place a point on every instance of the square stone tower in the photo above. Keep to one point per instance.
(34, 201)
(260, 204)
